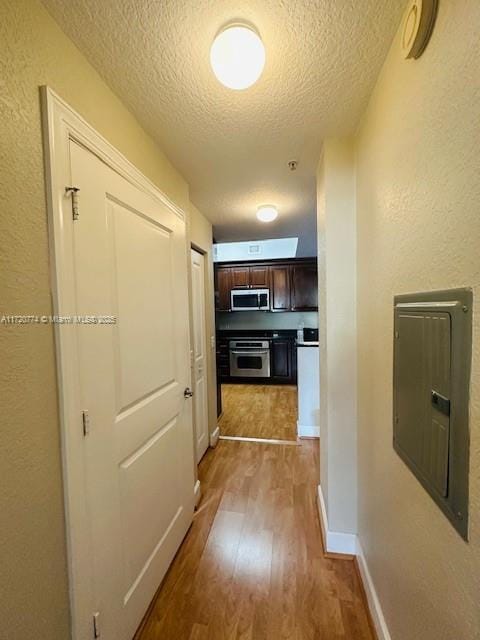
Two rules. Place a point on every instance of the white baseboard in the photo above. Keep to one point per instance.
(335, 541)
(307, 431)
(214, 437)
(294, 443)
(372, 597)
(348, 543)
(197, 492)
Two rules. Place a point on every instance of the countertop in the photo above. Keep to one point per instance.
(257, 333)
(307, 344)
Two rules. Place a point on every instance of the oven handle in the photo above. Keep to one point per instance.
(250, 353)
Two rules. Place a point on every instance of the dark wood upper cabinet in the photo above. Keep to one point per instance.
(240, 277)
(292, 283)
(223, 288)
(280, 288)
(259, 277)
(304, 287)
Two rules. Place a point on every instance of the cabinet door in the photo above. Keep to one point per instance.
(240, 277)
(224, 286)
(223, 360)
(280, 288)
(304, 287)
(281, 359)
(259, 277)
(219, 397)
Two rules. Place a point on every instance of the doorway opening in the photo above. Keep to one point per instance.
(267, 348)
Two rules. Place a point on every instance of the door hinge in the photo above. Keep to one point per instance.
(85, 423)
(96, 624)
(73, 192)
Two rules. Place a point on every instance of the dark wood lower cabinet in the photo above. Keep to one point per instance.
(223, 359)
(283, 363)
(280, 355)
(219, 397)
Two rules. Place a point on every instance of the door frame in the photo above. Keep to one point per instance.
(61, 124)
(203, 253)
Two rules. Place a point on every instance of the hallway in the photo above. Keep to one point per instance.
(240, 320)
(259, 411)
(251, 565)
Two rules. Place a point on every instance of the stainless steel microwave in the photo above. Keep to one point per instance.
(250, 300)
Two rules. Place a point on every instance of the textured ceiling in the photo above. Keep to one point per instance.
(323, 57)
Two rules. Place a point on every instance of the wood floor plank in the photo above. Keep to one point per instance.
(259, 411)
(252, 566)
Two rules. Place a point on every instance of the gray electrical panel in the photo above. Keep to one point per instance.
(432, 360)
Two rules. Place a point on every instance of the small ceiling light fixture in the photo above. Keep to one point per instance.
(237, 56)
(267, 213)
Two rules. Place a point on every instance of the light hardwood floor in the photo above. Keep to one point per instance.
(252, 566)
(259, 411)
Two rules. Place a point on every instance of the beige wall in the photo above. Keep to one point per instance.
(337, 272)
(418, 216)
(33, 51)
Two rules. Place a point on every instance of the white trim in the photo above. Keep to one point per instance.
(348, 543)
(214, 437)
(198, 257)
(306, 431)
(197, 492)
(372, 597)
(82, 132)
(335, 541)
(295, 443)
(61, 124)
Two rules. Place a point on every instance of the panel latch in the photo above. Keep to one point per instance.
(96, 625)
(441, 403)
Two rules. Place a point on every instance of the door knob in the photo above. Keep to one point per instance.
(188, 393)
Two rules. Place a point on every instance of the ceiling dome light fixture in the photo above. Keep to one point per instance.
(237, 56)
(267, 213)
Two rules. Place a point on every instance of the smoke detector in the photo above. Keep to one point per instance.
(418, 26)
(292, 165)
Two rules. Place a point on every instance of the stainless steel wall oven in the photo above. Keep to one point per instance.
(249, 358)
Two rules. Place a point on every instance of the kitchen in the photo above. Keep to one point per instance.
(267, 341)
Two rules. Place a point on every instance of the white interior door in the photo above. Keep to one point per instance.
(199, 355)
(130, 262)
